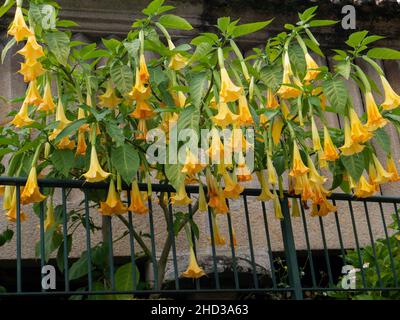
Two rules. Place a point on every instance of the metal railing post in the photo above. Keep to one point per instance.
(290, 251)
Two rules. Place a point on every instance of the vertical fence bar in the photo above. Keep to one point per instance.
(132, 244)
(290, 251)
(170, 223)
(18, 227)
(42, 244)
(253, 263)
(88, 243)
(65, 236)
(339, 234)
(111, 252)
(193, 237)
(270, 254)
(327, 260)
(153, 245)
(216, 274)
(232, 245)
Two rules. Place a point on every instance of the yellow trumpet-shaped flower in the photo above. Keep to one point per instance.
(314, 176)
(375, 119)
(330, 151)
(266, 194)
(8, 197)
(81, 146)
(203, 207)
(141, 89)
(272, 176)
(382, 175)
(243, 172)
(31, 69)
(95, 172)
(181, 198)
(31, 192)
(350, 147)
(12, 211)
(50, 220)
(113, 204)
(232, 189)
(392, 99)
(298, 166)
(391, 168)
(373, 174)
(192, 164)
(315, 136)
(236, 142)
(65, 143)
(143, 72)
(47, 103)
(364, 189)
(229, 92)
(32, 95)
(193, 270)
(137, 203)
(277, 207)
(109, 99)
(287, 91)
(142, 128)
(18, 28)
(322, 99)
(295, 208)
(179, 99)
(307, 191)
(358, 132)
(272, 102)
(177, 61)
(225, 116)
(22, 119)
(143, 110)
(245, 118)
(216, 197)
(219, 240)
(32, 50)
(311, 66)
(277, 129)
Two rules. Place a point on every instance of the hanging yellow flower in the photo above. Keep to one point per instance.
(229, 92)
(298, 166)
(22, 119)
(50, 220)
(113, 204)
(31, 192)
(232, 189)
(142, 130)
(81, 147)
(143, 110)
(382, 175)
(179, 99)
(311, 66)
(141, 89)
(375, 119)
(265, 192)
(245, 118)
(32, 95)
(31, 69)
(219, 240)
(358, 132)
(109, 99)
(225, 116)
(137, 203)
(272, 176)
(144, 74)
(203, 207)
(181, 198)
(47, 103)
(364, 189)
(95, 172)
(12, 210)
(392, 169)
(277, 129)
(192, 164)
(18, 28)
(272, 102)
(277, 207)
(193, 270)
(350, 147)
(216, 197)
(287, 91)
(32, 50)
(177, 61)
(315, 136)
(392, 99)
(330, 151)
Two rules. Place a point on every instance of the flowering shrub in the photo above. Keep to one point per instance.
(94, 114)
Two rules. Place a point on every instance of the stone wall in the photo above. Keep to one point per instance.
(103, 18)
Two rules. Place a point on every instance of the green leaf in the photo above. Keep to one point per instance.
(248, 28)
(314, 47)
(62, 160)
(381, 136)
(384, 53)
(272, 76)
(126, 160)
(197, 83)
(174, 22)
(111, 44)
(122, 76)
(356, 38)
(308, 14)
(72, 128)
(58, 43)
(116, 133)
(66, 24)
(297, 59)
(124, 279)
(354, 165)
(223, 23)
(174, 174)
(344, 68)
(337, 94)
(322, 23)
(153, 7)
(201, 51)
(79, 268)
(52, 240)
(60, 253)
(7, 47)
(189, 118)
(371, 39)
(6, 6)
(132, 47)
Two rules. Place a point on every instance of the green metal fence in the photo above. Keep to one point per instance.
(294, 272)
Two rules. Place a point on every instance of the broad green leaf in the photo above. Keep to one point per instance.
(354, 165)
(172, 21)
(58, 43)
(189, 118)
(66, 24)
(60, 252)
(356, 38)
(272, 76)
(70, 129)
(124, 279)
(79, 268)
(116, 133)
(126, 160)
(197, 84)
(52, 241)
(384, 53)
(111, 44)
(223, 23)
(6, 6)
(308, 14)
(381, 136)
(201, 51)
(297, 59)
(322, 23)
(63, 161)
(344, 68)
(7, 47)
(122, 76)
(132, 47)
(337, 94)
(153, 7)
(174, 174)
(314, 47)
(371, 39)
(249, 28)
